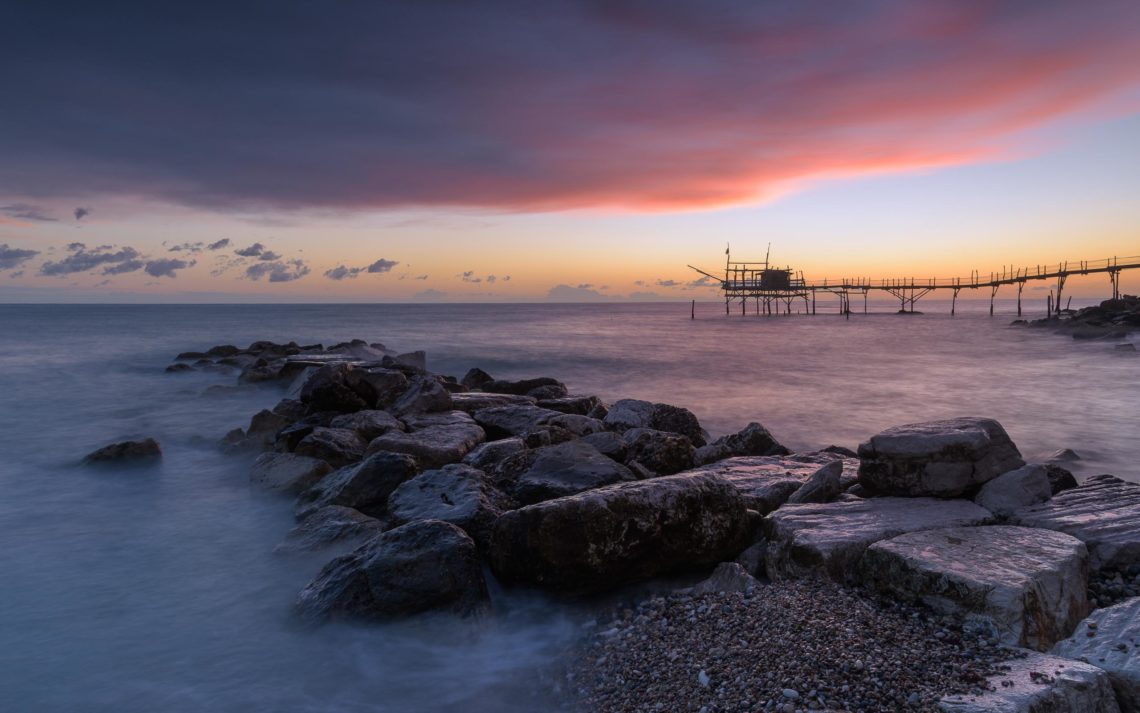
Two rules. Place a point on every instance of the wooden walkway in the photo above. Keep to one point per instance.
(780, 288)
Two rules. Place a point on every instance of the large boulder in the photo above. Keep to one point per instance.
(1103, 512)
(516, 420)
(378, 386)
(1039, 683)
(943, 459)
(1110, 639)
(752, 440)
(822, 486)
(555, 471)
(830, 538)
(543, 387)
(332, 525)
(368, 424)
(621, 533)
(435, 439)
(287, 472)
(632, 413)
(765, 482)
(1025, 486)
(328, 389)
(456, 493)
(364, 486)
(1027, 584)
(658, 452)
(578, 405)
(424, 395)
(336, 446)
(126, 452)
(487, 456)
(426, 565)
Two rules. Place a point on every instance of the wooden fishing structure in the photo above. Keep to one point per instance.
(774, 289)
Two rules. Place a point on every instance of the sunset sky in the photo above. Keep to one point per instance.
(566, 150)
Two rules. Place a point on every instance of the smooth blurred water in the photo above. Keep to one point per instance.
(157, 589)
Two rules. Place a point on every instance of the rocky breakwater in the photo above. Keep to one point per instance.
(1111, 319)
(433, 483)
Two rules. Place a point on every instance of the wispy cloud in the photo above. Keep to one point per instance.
(218, 245)
(167, 267)
(286, 271)
(252, 251)
(27, 211)
(83, 260)
(12, 257)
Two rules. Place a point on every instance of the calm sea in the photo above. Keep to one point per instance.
(158, 590)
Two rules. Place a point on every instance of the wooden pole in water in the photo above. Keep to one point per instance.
(693, 314)
(1020, 286)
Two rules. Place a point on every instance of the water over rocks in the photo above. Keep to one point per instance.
(125, 453)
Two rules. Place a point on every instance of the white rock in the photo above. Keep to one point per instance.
(1028, 584)
(1025, 486)
(1041, 684)
(1114, 648)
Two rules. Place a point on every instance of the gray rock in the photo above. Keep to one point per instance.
(626, 414)
(126, 452)
(336, 446)
(434, 439)
(659, 452)
(576, 425)
(1039, 683)
(1028, 584)
(939, 458)
(368, 424)
(519, 420)
(424, 395)
(1114, 646)
(475, 378)
(578, 405)
(416, 359)
(329, 526)
(752, 440)
(473, 401)
(365, 486)
(456, 493)
(727, 577)
(752, 559)
(821, 486)
(608, 443)
(1103, 512)
(830, 538)
(556, 471)
(1065, 455)
(264, 427)
(621, 533)
(328, 389)
(489, 455)
(425, 565)
(1027, 485)
(766, 482)
(1060, 479)
(287, 472)
(526, 386)
(379, 387)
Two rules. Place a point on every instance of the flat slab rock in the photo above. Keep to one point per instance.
(1103, 512)
(1028, 584)
(1114, 645)
(766, 482)
(939, 458)
(831, 537)
(434, 439)
(1040, 683)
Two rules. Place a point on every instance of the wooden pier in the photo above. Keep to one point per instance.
(774, 289)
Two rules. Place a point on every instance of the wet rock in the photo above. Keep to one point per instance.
(434, 439)
(473, 401)
(327, 389)
(336, 446)
(475, 378)
(507, 421)
(364, 486)
(379, 387)
(752, 440)
(1114, 645)
(626, 414)
(938, 458)
(487, 456)
(821, 486)
(1065, 455)
(659, 452)
(607, 443)
(368, 424)
(578, 405)
(416, 360)
(1028, 584)
(830, 538)
(1103, 512)
(524, 387)
(287, 472)
(1039, 683)
(1060, 479)
(126, 452)
(765, 482)
(426, 565)
(840, 451)
(223, 350)
(288, 438)
(456, 493)
(627, 532)
(556, 471)
(175, 368)
(727, 577)
(424, 395)
(328, 526)
(1027, 485)
(264, 427)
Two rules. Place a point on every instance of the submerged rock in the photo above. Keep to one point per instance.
(126, 452)
(752, 440)
(599, 539)
(830, 538)
(938, 458)
(287, 472)
(1039, 683)
(426, 565)
(1028, 584)
(1103, 512)
(1110, 639)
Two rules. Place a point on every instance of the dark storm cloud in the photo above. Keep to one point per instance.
(166, 268)
(223, 243)
(285, 271)
(26, 211)
(13, 257)
(83, 260)
(644, 104)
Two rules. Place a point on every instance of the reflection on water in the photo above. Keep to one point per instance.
(157, 590)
